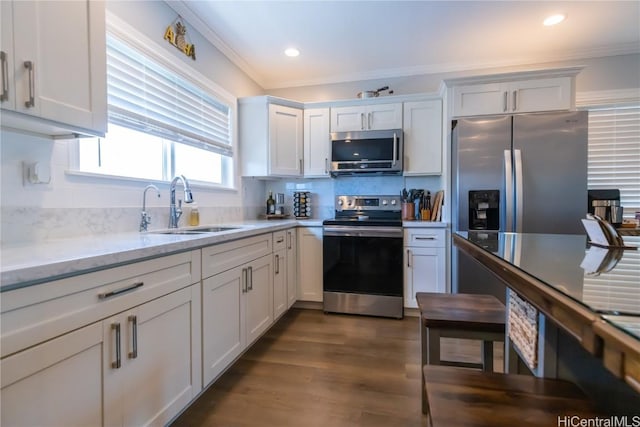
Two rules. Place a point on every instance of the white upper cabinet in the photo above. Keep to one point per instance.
(366, 117)
(317, 143)
(537, 93)
(57, 68)
(422, 129)
(270, 138)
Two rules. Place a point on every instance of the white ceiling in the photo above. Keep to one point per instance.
(358, 40)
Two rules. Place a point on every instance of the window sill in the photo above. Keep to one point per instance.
(112, 178)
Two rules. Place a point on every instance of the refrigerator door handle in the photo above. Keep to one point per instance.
(517, 157)
(508, 189)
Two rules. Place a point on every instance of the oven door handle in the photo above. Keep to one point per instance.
(339, 231)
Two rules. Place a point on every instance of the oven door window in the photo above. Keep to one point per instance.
(364, 265)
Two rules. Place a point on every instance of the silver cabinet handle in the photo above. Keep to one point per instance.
(250, 278)
(244, 280)
(424, 238)
(118, 362)
(505, 100)
(32, 97)
(134, 336)
(105, 295)
(409, 258)
(515, 100)
(277, 264)
(368, 120)
(5, 76)
(326, 166)
(301, 166)
(290, 239)
(361, 121)
(280, 240)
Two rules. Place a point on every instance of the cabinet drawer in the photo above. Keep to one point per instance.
(279, 240)
(219, 258)
(425, 237)
(37, 313)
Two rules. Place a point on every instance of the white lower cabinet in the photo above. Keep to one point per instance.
(310, 264)
(292, 264)
(57, 383)
(149, 372)
(237, 303)
(279, 273)
(424, 263)
(62, 340)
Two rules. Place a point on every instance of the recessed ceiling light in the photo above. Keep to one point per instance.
(554, 19)
(292, 52)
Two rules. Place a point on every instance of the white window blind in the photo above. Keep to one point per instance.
(144, 96)
(614, 153)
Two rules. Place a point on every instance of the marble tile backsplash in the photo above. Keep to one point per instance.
(30, 224)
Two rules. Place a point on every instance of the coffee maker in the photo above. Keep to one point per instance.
(605, 203)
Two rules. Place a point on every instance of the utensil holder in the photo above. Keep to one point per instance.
(408, 211)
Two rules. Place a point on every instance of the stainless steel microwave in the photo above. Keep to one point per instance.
(371, 151)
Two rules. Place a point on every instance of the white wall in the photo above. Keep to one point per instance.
(78, 205)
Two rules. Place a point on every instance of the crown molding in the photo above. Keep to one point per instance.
(181, 8)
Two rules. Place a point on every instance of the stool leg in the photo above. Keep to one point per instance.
(433, 343)
(487, 356)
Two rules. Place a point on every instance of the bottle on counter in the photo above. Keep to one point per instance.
(194, 215)
(271, 204)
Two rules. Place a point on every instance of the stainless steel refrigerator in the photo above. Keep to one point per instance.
(524, 173)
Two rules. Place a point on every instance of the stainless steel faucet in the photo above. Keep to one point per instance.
(145, 218)
(175, 212)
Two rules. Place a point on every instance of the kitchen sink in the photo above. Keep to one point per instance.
(197, 230)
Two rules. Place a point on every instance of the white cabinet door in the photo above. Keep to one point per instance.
(310, 264)
(57, 383)
(223, 323)
(384, 116)
(285, 140)
(7, 91)
(279, 283)
(157, 347)
(259, 298)
(524, 96)
(345, 119)
(292, 264)
(317, 142)
(479, 99)
(424, 272)
(63, 44)
(366, 117)
(423, 137)
(541, 95)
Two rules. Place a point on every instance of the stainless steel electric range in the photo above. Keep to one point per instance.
(362, 257)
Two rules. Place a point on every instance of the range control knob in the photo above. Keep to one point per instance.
(340, 202)
(384, 202)
(393, 202)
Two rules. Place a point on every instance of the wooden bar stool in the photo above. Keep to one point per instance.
(467, 316)
(458, 397)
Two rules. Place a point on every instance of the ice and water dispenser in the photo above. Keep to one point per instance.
(484, 210)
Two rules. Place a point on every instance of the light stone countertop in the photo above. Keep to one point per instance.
(425, 224)
(32, 263)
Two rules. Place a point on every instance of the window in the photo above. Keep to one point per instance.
(614, 153)
(161, 122)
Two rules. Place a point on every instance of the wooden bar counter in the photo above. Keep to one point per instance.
(589, 293)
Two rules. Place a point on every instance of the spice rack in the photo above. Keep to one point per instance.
(302, 204)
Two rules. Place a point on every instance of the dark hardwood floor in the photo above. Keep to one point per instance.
(316, 369)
